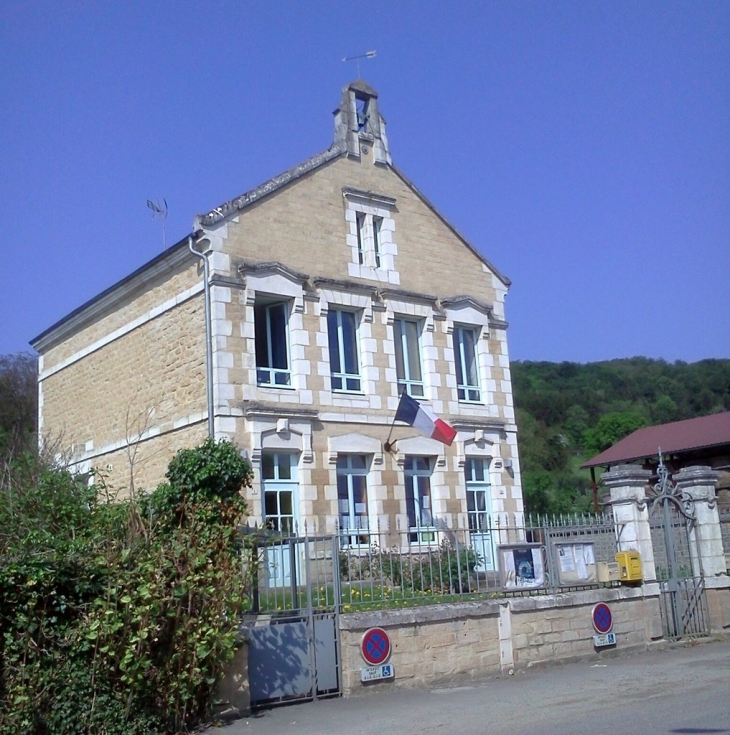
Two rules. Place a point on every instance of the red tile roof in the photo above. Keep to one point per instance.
(679, 436)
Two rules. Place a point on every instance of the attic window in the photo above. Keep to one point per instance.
(370, 235)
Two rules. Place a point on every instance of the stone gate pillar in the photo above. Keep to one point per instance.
(627, 485)
(699, 484)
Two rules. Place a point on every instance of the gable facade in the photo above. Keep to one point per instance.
(332, 289)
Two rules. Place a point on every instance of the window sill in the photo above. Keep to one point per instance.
(271, 386)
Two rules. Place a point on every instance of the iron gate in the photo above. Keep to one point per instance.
(293, 633)
(678, 563)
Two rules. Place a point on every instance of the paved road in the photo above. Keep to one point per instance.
(682, 690)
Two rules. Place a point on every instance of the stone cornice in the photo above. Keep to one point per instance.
(369, 196)
(252, 409)
(341, 285)
(397, 293)
(464, 300)
(228, 282)
(273, 267)
(470, 424)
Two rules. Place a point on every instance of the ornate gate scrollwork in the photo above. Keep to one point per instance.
(666, 493)
(684, 609)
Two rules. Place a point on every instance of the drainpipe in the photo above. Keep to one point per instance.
(208, 330)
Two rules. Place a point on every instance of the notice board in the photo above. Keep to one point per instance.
(575, 563)
(522, 566)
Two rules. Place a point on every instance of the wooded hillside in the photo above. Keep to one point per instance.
(568, 412)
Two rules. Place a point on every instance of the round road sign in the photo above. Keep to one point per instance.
(375, 646)
(602, 618)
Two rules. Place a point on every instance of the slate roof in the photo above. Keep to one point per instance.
(674, 438)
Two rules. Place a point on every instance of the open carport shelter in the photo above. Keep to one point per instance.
(700, 441)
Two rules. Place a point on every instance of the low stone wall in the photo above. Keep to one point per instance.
(443, 645)
(430, 645)
(447, 644)
(718, 604)
(233, 698)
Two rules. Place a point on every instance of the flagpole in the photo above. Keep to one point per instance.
(388, 446)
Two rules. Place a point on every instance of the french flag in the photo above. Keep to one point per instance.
(424, 420)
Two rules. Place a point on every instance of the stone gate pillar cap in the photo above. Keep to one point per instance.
(696, 475)
(626, 474)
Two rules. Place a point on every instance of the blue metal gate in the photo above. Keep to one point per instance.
(294, 637)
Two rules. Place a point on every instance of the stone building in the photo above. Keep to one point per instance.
(332, 288)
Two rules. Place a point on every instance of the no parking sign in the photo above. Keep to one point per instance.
(602, 618)
(603, 622)
(375, 646)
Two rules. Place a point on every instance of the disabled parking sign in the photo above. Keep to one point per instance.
(375, 646)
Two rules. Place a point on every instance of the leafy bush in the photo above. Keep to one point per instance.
(448, 570)
(120, 618)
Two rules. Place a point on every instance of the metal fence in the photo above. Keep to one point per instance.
(400, 567)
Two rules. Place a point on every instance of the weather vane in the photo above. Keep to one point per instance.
(159, 211)
(366, 55)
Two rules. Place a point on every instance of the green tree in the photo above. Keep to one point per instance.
(576, 422)
(119, 618)
(611, 428)
(18, 404)
(665, 410)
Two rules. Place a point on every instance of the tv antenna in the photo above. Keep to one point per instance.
(366, 55)
(159, 211)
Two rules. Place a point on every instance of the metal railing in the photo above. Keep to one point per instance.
(402, 567)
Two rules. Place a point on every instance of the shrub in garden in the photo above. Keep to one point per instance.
(446, 570)
(120, 618)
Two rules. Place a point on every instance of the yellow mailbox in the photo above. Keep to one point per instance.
(629, 566)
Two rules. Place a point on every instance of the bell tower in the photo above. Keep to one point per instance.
(359, 126)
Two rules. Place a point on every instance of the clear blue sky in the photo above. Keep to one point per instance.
(584, 147)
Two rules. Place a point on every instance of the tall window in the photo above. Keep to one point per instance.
(377, 224)
(479, 506)
(467, 371)
(477, 487)
(344, 363)
(418, 500)
(272, 348)
(408, 357)
(278, 472)
(360, 217)
(369, 233)
(352, 498)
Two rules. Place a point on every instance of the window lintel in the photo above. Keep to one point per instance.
(354, 443)
(368, 197)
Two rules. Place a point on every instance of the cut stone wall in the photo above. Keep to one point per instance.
(233, 696)
(444, 645)
(717, 591)
(559, 627)
(430, 645)
(145, 387)
(305, 224)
